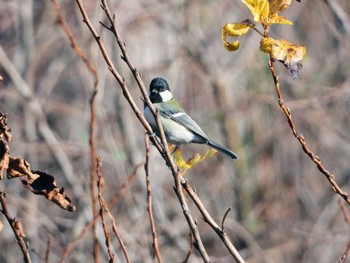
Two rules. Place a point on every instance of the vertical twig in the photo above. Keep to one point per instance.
(104, 208)
(149, 203)
(102, 211)
(116, 232)
(80, 53)
(14, 223)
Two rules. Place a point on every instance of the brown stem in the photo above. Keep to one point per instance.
(149, 203)
(80, 53)
(208, 219)
(345, 254)
(111, 202)
(163, 147)
(16, 230)
(102, 211)
(301, 139)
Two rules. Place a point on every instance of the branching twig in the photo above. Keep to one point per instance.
(116, 232)
(190, 249)
(104, 208)
(16, 228)
(224, 218)
(118, 77)
(149, 203)
(208, 218)
(191, 222)
(162, 148)
(111, 202)
(102, 211)
(300, 138)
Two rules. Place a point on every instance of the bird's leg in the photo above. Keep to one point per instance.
(153, 135)
(174, 150)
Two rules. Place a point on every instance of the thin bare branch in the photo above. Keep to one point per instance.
(330, 177)
(149, 202)
(208, 218)
(224, 218)
(111, 202)
(80, 53)
(345, 254)
(102, 211)
(104, 208)
(16, 228)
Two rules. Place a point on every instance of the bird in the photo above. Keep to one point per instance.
(179, 128)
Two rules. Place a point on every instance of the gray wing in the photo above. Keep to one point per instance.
(185, 120)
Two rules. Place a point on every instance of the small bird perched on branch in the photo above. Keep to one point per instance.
(179, 128)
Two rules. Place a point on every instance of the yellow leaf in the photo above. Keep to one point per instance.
(197, 158)
(234, 30)
(276, 19)
(259, 9)
(277, 6)
(232, 46)
(291, 55)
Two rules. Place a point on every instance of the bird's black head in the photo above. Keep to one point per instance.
(159, 90)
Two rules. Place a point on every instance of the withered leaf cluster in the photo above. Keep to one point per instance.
(5, 137)
(38, 182)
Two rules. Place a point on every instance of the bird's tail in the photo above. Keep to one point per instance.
(222, 149)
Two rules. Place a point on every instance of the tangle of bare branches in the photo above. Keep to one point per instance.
(163, 149)
(80, 53)
(111, 202)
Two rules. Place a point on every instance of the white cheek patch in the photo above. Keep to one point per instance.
(166, 95)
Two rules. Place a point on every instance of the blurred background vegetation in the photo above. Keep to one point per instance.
(283, 208)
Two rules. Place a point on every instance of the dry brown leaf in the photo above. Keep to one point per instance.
(18, 167)
(5, 131)
(4, 157)
(58, 196)
(39, 183)
(45, 185)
